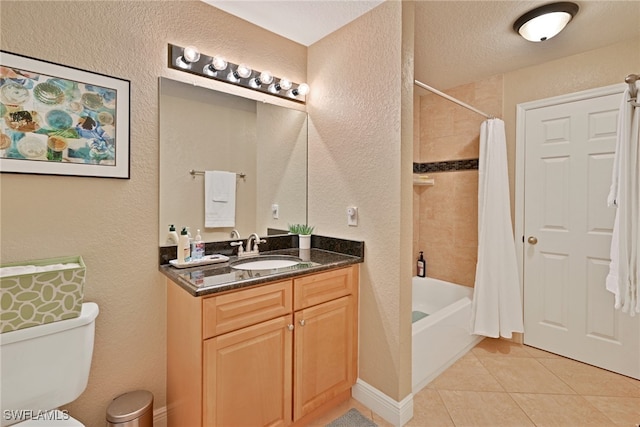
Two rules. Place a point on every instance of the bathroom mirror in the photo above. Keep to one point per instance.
(206, 130)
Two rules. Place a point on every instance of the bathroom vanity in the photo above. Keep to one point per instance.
(262, 349)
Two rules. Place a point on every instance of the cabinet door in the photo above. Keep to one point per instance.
(247, 376)
(325, 353)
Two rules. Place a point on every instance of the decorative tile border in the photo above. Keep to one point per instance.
(446, 166)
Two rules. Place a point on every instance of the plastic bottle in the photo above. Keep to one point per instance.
(197, 247)
(422, 266)
(172, 237)
(184, 249)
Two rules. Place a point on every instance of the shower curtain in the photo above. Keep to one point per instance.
(624, 270)
(497, 305)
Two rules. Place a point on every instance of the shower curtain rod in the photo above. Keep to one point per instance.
(452, 99)
(633, 90)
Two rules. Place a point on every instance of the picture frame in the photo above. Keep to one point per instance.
(61, 120)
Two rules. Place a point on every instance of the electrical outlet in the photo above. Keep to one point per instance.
(275, 211)
(352, 216)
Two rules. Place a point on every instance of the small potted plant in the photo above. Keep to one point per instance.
(304, 234)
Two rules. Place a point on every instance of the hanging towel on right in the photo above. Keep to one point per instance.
(623, 279)
(496, 310)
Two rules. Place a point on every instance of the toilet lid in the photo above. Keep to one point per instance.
(54, 418)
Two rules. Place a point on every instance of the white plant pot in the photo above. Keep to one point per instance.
(304, 241)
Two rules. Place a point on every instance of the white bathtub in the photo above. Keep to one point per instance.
(442, 337)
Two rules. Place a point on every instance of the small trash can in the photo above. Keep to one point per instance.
(133, 409)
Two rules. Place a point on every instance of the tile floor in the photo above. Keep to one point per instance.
(499, 383)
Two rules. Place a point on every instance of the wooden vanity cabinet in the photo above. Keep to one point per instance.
(272, 355)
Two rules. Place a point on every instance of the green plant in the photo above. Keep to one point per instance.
(300, 229)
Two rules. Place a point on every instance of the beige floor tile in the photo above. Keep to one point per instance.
(560, 410)
(633, 381)
(491, 347)
(525, 375)
(478, 409)
(589, 380)
(624, 411)
(468, 373)
(429, 410)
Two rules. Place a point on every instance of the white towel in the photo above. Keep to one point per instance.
(623, 279)
(219, 199)
(496, 310)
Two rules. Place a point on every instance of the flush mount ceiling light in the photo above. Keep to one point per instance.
(546, 21)
(190, 60)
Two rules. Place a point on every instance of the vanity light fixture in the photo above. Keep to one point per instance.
(189, 59)
(544, 22)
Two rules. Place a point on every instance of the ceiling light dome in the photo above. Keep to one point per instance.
(546, 21)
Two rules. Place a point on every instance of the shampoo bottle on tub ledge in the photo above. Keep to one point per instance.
(422, 266)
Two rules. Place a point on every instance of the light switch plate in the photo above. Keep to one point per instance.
(275, 211)
(352, 216)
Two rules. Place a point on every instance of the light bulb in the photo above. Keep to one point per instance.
(303, 89)
(285, 84)
(218, 63)
(190, 54)
(243, 71)
(264, 78)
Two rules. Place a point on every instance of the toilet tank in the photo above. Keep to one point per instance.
(46, 366)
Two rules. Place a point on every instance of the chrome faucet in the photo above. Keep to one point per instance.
(253, 250)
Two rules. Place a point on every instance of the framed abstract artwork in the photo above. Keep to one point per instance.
(61, 120)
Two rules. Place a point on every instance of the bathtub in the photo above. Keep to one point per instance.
(440, 331)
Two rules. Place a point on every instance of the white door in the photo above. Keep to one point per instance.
(568, 158)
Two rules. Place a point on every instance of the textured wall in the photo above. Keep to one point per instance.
(356, 160)
(113, 224)
(446, 215)
(596, 68)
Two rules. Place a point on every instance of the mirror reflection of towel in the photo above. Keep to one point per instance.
(219, 199)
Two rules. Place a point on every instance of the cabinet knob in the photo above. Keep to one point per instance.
(302, 322)
(290, 327)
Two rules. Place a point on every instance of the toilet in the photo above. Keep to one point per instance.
(44, 367)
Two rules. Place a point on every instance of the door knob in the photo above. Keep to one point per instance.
(532, 240)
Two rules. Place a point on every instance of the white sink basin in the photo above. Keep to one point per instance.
(265, 264)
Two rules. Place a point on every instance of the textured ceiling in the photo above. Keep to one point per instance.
(457, 42)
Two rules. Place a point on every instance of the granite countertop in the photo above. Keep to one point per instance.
(215, 278)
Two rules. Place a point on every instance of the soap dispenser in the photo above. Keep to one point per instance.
(197, 247)
(184, 248)
(172, 237)
(422, 266)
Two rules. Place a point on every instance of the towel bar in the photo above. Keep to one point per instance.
(194, 172)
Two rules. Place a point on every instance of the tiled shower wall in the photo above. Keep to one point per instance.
(445, 215)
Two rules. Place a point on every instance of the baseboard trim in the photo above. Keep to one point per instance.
(160, 417)
(397, 413)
